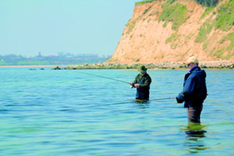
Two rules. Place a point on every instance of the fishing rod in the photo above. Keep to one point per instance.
(127, 83)
(106, 77)
(163, 99)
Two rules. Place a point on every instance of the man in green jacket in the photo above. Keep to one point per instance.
(142, 83)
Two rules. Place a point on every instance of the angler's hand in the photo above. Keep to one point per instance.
(131, 84)
(136, 85)
(178, 100)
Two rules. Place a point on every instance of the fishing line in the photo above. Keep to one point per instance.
(106, 77)
(143, 101)
(127, 83)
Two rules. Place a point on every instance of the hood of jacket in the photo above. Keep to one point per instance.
(197, 71)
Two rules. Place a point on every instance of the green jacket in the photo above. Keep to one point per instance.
(144, 86)
(145, 79)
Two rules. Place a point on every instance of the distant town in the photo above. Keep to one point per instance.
(60, 59)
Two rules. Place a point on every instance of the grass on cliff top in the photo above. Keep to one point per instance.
(207, 3)
(149, 1)
(174, 13)
(146, 1)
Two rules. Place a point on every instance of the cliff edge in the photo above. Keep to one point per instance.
(172, 31)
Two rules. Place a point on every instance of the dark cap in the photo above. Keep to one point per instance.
(142, 68)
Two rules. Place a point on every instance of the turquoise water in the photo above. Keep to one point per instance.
(48, 112)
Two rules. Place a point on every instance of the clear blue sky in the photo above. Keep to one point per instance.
(71, 26)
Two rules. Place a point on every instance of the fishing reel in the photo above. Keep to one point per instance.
(132, 86)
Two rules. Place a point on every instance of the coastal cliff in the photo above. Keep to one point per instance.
(172, 31)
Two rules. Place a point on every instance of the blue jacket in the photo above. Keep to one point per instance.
(194, 88)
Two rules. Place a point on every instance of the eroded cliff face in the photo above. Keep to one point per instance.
(149, 38)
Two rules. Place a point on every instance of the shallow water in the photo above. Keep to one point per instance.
(48, 112)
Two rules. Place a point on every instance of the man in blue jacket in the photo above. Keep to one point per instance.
(194, 90)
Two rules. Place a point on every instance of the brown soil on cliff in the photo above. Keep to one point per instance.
(147, 40)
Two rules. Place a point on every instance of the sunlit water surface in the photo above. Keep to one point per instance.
(48, 112)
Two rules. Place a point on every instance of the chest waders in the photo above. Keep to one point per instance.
(142, 93)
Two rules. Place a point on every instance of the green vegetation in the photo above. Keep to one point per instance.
(224, 21)
(174, 13)
(146, 1)
(164, 65)
(231, 38)
(146, 10)
(204, 46)
(102, 66)
(228, 56)
(154, 13)
(207, 11)
(177, 13)
(225, 17)
(173, 39)
(132, 24)
(33, 63)
(170, 1)
(4, 63)
(208, 3)
(149, 1)
(137, 60)
(204, 31)
(220, 53)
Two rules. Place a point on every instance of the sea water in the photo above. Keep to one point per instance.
(68, 112)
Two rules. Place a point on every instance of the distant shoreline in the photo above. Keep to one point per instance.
(165, 65)
(32, 66)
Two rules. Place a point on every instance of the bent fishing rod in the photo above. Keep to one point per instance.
(106, 77)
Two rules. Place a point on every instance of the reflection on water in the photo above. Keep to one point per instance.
(195, 135)
(195, 145)
(195, 128)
